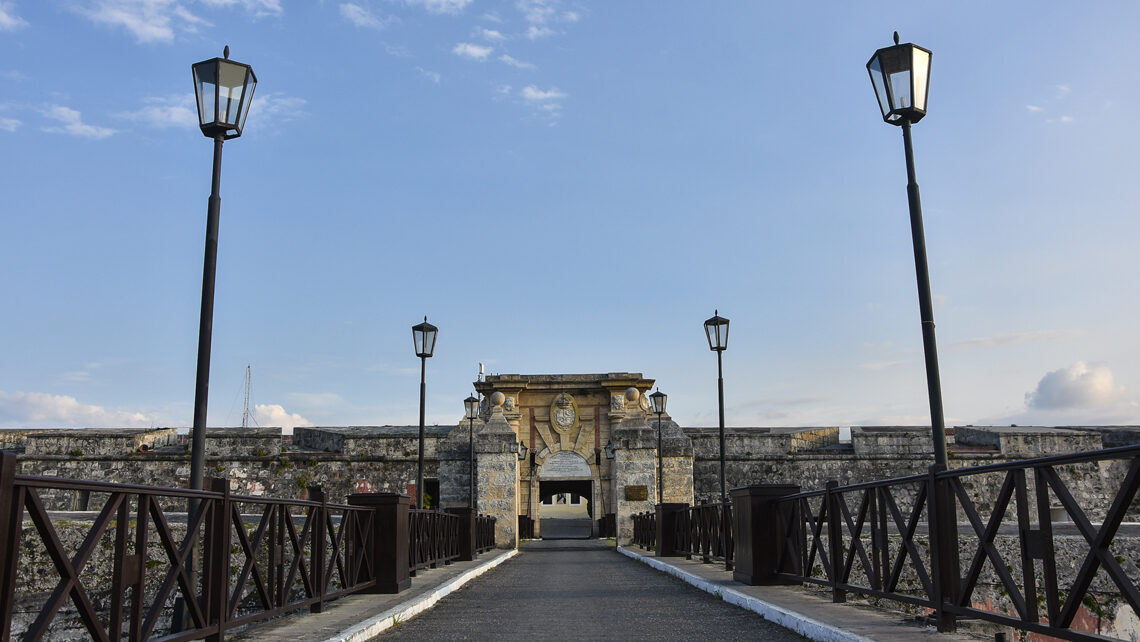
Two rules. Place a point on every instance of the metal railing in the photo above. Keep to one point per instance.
(526, 527)
(484, 533)
(607, 525)
(433, 539)
(261, 558)
(898, 539)
(698, 533)
(645, 530)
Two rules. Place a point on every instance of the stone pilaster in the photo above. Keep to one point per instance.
(677, 463)
(496, 474)
(634, 466)
(454, 465)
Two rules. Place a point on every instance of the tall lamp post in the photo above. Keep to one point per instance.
(423, 335)
(901, 77)
(716, 330)
(471, 405)
(658, 399)
(223, 90)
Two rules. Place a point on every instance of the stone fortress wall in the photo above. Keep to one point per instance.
(345, 460)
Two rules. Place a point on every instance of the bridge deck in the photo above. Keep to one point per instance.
(583, 590)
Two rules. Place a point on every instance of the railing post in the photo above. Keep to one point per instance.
(317, 564)
(666, 523)
(758, 534)
(467, 532)
(943, 523)
(217, 581)
(835, 540)
(389, 539)
(11, 528)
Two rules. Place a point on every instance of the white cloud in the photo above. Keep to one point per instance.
(514, 62)
(256, 7)
(440, 6)
(9, 124)
(883, 365)
(474, 52)
(1034, 108)
(159, 20)
(1064, 120)
(362, 17)
(169, 111)
(9, 21)
(276, 416)
(1016, 338)
(490, 34)
(1080, 385)
(41, 410)
(1062, 90)
(533, 94)
(73, 123)
(534, 32)
(147, 20)
(272, 109)
(430, 75)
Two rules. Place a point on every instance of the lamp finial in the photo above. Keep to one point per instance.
(226, 52)
(896, 37)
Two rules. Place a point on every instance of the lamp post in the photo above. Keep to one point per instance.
(901, 77)
(471, 405)
(223, 90)
(658, 399)
(716, 331)
(423, 336)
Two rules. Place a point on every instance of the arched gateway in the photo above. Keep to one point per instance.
(587, 443)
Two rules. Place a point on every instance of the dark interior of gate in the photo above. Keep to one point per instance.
(556, 522)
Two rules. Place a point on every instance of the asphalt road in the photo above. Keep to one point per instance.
(583, 590)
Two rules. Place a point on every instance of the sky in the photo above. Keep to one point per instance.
(568, 187)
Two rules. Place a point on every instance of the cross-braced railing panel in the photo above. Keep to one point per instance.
(259, 557)
(950, 541)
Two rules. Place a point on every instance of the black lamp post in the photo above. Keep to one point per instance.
(659, 398)
(471, 405)
(223, 90)
(901, 77)
(716, 330)
(423, 335)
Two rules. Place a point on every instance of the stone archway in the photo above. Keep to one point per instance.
(566, 496)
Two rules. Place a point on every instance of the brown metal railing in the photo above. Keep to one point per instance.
(898, 539)
(607, 525)
(433, 539)
(645, 530)
(292, 555)
(526, 527)
(698, 532)
(484, 533)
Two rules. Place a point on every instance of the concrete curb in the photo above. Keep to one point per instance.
(798, 622)
(404, 611)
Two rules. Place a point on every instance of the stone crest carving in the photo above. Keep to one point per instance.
(564, 414)
(617, 403)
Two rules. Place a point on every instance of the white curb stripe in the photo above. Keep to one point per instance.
(372, 627)
(798, 622)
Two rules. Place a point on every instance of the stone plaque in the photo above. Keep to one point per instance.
(636, 493)
(565, 464)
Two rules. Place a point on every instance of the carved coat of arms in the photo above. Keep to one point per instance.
(563, 413)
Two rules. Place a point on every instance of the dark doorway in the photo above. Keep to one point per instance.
(565, 509)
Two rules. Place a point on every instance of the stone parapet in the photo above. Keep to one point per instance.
(97, 442)
(903, 441)
(1023, 442)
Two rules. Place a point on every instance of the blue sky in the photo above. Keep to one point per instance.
(568, 187)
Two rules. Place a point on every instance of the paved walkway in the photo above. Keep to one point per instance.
(583, 590)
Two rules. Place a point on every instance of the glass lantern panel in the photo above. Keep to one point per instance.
(429, 340)
(418, 338)
(205, 78)
(921, 77)
(880, 88)
(901, 95)
(231, 88)
(250, 86)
